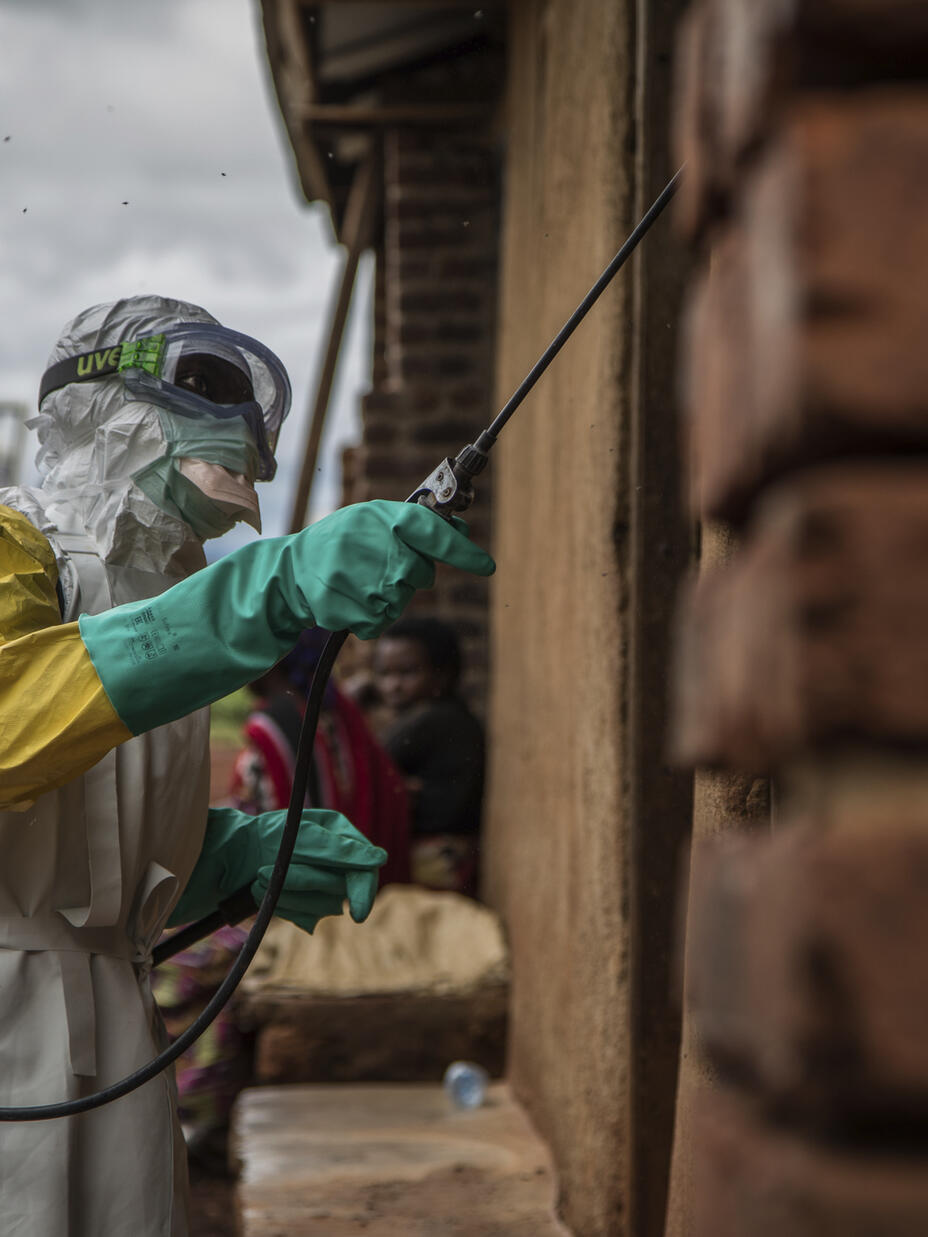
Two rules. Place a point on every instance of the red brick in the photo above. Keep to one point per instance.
(462, 332)
(438, 300)
(754, 1180)
(459, 366)
(434, 326)
(438, 365)
(695, 126)
(383, 402)
(435, 197)
(408, 461)
(451, 234)
(813, 315)
(379, 433)
(442, 432)
(412, 266)
(716, 359)
(420, 331)
(471, 396)
(480, 268)
(421, 399)
(741, 63)
(815, 632)
(806, 964)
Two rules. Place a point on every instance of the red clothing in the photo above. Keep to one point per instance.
(355, 775)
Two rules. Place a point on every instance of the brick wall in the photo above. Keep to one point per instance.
(434, 328)
(804, 655)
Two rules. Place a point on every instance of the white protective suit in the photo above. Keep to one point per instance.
(91, 871)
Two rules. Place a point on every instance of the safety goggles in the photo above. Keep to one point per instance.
(194, 370)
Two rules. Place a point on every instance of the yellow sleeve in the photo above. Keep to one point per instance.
(55, 718)
(28, 576)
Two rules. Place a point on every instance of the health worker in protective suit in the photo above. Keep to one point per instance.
(154, 422)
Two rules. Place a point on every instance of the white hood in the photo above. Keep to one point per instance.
(92, 441)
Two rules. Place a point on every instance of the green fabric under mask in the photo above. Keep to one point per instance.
(223, 441)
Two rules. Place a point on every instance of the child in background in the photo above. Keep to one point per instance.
(438, 745)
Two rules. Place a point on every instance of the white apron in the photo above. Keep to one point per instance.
(89, 874)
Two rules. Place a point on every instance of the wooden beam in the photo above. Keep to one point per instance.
(296, 88)
(342, 116)
(421, 4)
(359, 213)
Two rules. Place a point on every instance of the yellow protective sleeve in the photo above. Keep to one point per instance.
(28, 575)
(55, 718)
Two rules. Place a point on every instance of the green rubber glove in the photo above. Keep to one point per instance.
(331, 861)
(225, 626)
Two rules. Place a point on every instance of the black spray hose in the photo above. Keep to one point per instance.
(447, 490)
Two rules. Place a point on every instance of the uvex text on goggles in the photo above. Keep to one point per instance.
(193, 370)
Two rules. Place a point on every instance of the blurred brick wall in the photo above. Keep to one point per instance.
(434, 330)
(803, 1104)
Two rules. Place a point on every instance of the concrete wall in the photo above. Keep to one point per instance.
(572, 614)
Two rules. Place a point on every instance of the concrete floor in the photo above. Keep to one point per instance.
(395, 1160)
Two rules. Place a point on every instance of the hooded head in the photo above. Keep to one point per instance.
(154, 423)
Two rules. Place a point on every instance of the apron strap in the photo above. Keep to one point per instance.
(101, 803)
(77, 987)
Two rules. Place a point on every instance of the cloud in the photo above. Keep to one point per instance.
(147, 155)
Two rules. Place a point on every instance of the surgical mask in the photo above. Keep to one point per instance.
(232, 492)
(172, 492)
(209, 440)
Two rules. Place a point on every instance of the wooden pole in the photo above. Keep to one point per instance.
(387, 115)
(355, 235)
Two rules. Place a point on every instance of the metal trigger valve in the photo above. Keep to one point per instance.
(448, 489)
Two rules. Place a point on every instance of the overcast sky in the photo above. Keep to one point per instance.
(142, 151)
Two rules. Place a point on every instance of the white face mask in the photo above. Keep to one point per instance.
(232, 492)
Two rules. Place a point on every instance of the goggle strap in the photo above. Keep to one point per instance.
(146, 354)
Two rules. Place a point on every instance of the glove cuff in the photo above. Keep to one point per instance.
(207, 636)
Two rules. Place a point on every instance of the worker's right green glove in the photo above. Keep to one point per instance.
(223, 627)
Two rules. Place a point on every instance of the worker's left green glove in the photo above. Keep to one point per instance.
(332, 861)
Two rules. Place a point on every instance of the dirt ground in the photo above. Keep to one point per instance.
(212, 1206)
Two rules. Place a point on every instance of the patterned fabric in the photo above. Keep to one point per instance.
(215, 1068)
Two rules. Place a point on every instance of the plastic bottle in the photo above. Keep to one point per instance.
(466, 1084)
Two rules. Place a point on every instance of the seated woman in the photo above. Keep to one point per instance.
(438, 744)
